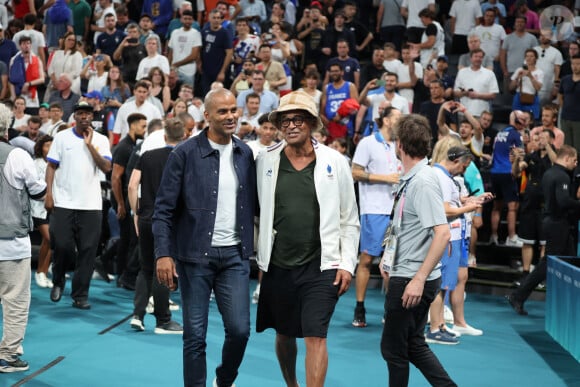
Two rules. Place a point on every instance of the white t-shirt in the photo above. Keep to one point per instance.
(225, 229)
(148, 63)
(376, 157)
(465, 12)
(450, 194)
(147, 108)
(414, 7)
(97, 82)
(491, 38)
(527, 86)
(547, 59)
(256, 146)
(181, 44)
(37, 209)
(392, 65)
(403, 73)
(438, 47)
(398, 102)
(20, 172)
(36, 39)
(481, 81)
(77, 183)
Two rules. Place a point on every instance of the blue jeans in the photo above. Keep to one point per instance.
(228, 275)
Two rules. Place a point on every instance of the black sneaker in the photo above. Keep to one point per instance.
(137, 324)
(517, 306)
(359, 320)
(16, 365)
(169, 328)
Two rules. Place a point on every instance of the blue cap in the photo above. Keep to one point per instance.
(443, 58)
(94, 94)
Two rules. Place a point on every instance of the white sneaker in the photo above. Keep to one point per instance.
(453, 332)
(256, 295)
(150, 306)
(214, 384)
(173, 306)
(493, 240)
(447, 314)
(472, 261)
(42, 280)
(137, 324)
(514, 242)
(467, 330)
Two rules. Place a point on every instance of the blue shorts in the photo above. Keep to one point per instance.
(450, 265)
(372, 233)
(464, 256)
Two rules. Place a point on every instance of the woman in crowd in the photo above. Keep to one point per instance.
(115, 92)
(526, 82)
(20, 117)
(66, 60)
(179, 106)
(159, 89)
(311, 81)
(95, 71)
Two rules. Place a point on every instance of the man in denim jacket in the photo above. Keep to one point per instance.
(203, 229)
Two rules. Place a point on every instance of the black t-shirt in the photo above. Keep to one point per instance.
(359, 30)
(430, 110)
(131, 56)
(121, 155)
(488, 140)
(151, 164)
(537, 165)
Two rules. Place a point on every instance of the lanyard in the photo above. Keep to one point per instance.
(400, 196)
(380, 138)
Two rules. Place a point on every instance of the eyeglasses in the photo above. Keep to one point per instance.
(452, 156)
(296, 120)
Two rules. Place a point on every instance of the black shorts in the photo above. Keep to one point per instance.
(297, 302)
(530, 227)
(37, 222)
(504, 187)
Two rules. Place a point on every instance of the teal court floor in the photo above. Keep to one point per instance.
(67, 347)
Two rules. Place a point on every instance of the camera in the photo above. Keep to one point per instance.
(525, 67)
(315, 20)
(132, 40)
(248, 72)
(268, 36)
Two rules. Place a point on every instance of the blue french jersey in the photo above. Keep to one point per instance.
(334, 98)
(505, 140)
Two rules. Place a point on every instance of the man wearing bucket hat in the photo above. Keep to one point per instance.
(309, 233)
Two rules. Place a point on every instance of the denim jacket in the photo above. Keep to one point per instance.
(186, 203)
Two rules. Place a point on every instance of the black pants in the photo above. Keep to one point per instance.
(127, 246)
(76, 235)
(559, 241)
(403, 339)
(147, 283)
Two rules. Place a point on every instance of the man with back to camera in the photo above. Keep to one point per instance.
(414, 275)
(309, 233)
(213, 176)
